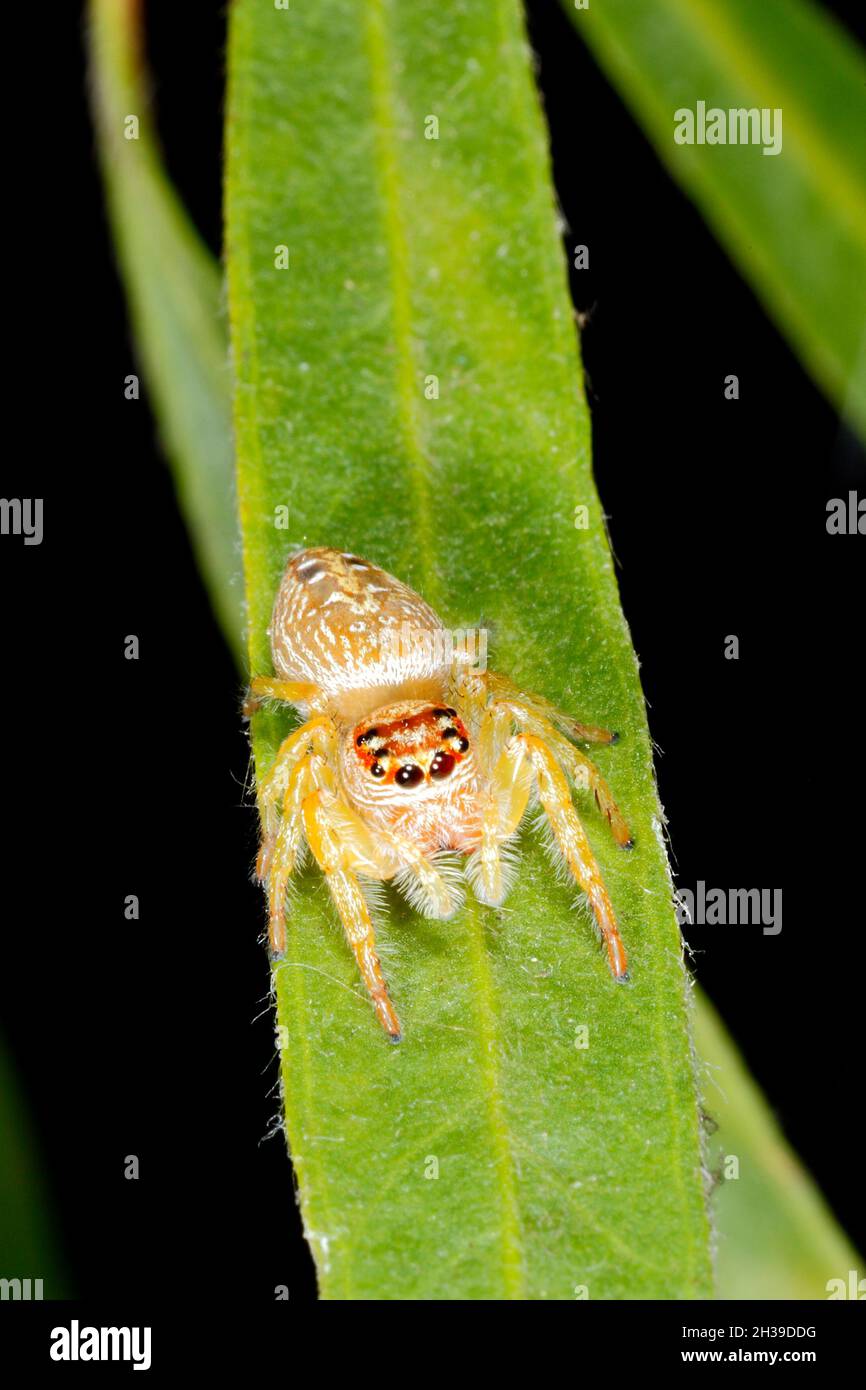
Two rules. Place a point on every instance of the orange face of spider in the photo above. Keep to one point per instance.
(404, 751)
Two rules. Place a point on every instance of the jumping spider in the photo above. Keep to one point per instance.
(405, 755)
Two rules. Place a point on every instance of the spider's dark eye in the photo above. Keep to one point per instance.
(377, 770)
(463, 745)
(442, 764)
(365, 738)
(409, 775)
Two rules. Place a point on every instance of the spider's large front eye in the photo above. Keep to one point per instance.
(409, 775)
(441, 766)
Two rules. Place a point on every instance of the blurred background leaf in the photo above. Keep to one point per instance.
(175, 294)
(28, 1241)
(776, 1236)
(793, 223)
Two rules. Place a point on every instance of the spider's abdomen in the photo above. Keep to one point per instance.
(355, 631)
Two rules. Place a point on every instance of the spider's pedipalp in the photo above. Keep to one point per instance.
(492, 869)
(510, 784)
(432, 885)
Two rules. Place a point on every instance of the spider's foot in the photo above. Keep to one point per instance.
(623, 979)
(387, 1017)
(277, 939)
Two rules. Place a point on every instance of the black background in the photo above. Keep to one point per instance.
(109, 1024)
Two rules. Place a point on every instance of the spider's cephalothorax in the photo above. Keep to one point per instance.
(407, 753)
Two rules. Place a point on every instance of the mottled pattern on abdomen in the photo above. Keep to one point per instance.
(347, 625)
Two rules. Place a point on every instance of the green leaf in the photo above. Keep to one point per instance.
(558, 1168)
(776, 1235)
(175, 294)
(794, 223)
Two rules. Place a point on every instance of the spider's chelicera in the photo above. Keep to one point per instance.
(410, 765)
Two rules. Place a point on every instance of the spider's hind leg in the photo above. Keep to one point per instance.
(301, 765)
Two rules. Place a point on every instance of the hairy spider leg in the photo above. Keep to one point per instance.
(527, 712)
(504, 809)
(306, 777)
(327, 825)
(555, 797)
(501, 688)
(316, 735)
(582, 771)
(525, 758)
(271, 688)
(303, 766)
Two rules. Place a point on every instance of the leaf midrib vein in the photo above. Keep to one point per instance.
(419, 462)
(415, 454)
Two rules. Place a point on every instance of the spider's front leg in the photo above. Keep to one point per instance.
(524, 758)
(535, 715)
(501, 688)
(303, 782)
(581, 769)
(343, 847)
